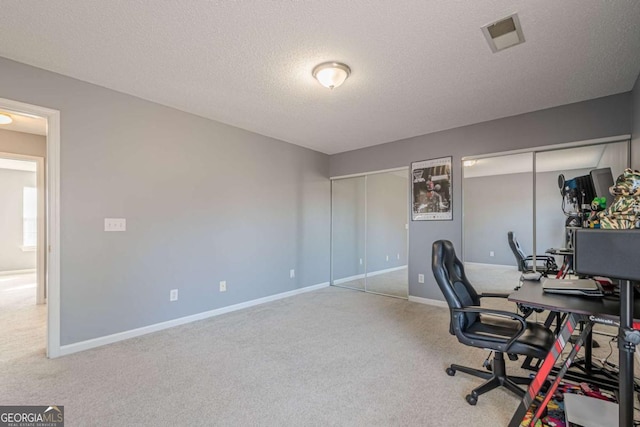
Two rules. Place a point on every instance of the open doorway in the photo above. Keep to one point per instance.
(29, 230)
(23, 314)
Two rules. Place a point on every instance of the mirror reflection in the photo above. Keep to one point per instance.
(348, 232)
(497, 199)
(370, 233)
(387, 214)
(567, 182)
(523, 204)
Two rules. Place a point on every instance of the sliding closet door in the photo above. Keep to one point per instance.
(387, 214)
(554, 211)
(348, 232)
(497, 199)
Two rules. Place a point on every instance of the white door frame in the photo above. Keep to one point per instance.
(52, 171)
(40, 244)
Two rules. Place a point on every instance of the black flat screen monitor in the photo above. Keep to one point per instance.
(585, 191)
(608, 253)
(602, 179)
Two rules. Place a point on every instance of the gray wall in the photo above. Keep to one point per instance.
(12, 183)
(22, 143)
(635, 141)
(595, 118)
(204, 202)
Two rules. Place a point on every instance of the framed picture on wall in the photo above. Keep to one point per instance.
(431, 190)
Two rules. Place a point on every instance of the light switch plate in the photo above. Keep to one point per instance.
(115, 224)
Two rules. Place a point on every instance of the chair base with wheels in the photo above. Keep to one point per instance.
(496, 377)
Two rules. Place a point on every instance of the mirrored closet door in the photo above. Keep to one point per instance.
(558, 209)
(497, 199)
(523, 193)
(348, 232)
(369, 233)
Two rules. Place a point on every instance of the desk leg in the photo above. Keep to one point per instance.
(572, 354)
(552, 357)
(588, 355)
(625, 354)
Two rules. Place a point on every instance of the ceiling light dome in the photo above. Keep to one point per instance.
(5, 119)
(331, 74)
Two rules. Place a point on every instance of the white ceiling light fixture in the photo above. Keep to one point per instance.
(331, 74)
(5, 119)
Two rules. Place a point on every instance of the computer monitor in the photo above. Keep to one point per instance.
(602, 179)
(581, 190)
(578, 191)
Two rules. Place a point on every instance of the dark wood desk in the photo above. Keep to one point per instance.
(531, 294)
(580, 309)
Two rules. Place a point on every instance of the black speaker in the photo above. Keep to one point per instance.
(608, 253)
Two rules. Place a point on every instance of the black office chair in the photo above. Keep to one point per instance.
(545, 264)
(500, 331)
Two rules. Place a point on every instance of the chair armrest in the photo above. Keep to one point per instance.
(499, 313)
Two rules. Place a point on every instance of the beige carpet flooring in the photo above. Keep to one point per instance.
(330, 357)
(22, 322)
(494, 278)
(333, 357)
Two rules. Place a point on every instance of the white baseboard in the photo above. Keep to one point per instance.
(435, 302)
(373, 273)
(348, 279)
(121, 336)
(13, 272)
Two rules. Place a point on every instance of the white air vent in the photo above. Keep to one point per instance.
(504, 33)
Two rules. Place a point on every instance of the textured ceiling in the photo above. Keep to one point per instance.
(417, 66)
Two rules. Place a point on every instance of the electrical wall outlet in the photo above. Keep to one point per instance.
(360, 261)
(292, 273)
(491, 253)
(223, 286)
(387, 257)
(420, 278)
(398, 256)
(173, 295)
(115, 224)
